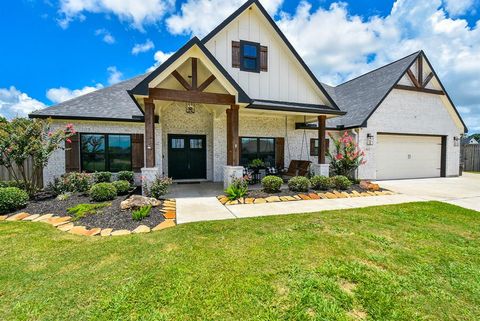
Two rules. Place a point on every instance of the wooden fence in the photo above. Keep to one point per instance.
(471, 158)
(6, 176)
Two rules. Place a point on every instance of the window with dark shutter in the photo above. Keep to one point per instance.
(72, 155)
(263, 58)
(236, 54)
(314, 146)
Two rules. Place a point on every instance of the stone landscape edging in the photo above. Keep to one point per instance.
(300, 197)
(65, 223)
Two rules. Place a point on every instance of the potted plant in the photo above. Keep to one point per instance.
(256, 165)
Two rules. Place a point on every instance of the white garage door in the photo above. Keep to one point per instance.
(400, 156)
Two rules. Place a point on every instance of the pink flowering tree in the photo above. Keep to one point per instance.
(346, 157)
(29, 139)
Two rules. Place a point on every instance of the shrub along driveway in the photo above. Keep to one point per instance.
(401, 262)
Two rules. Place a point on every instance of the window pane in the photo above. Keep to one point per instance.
(250, 64)
(250, 51)
(119, 144)
(178, 143)
(93, 162)
(196, 143)
(119, 153)
(120, 162)
(93, 143)
(267, 145)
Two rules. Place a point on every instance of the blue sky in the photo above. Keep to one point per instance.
(54, 50)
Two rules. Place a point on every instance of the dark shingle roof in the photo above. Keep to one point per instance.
(108, 103)
(360, 96)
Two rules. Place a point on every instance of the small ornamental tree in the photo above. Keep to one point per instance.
(22, 139)
(347, 157)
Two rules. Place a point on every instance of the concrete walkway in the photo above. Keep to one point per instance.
(462, 191)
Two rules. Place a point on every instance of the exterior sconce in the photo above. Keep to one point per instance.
(369, 139)
(190, 108)
(456, 141)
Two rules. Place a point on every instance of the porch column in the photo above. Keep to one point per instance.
(149, 134)
(232, 136)
(321, 139)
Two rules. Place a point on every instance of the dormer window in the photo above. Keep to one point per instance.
(249, 56)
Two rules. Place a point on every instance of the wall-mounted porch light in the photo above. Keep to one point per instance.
(369, 139)
(456, 141)
(190, 108)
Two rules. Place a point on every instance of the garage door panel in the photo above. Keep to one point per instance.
(400, 157)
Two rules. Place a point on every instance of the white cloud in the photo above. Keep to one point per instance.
(160, 58)
(115, 76)
(198, 17)
(137, 13)
(143, 47)
(459, 7)
(61, 94)
(15, 103)
(106, 36)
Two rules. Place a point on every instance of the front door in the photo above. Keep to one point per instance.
(187, 156)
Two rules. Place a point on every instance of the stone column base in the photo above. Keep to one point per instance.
(321, 169)
(230, 173)
(148, 176)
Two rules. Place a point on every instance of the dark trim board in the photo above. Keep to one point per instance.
(119, 120)
(409, 134)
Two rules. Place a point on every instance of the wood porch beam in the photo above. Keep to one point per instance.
(206, 83)
(322, 147)
(423, 90)
(191, 96)
(181, 80)
(413, 79)
(420, 70)
(149, 134)
(194, 73)
(233, 153)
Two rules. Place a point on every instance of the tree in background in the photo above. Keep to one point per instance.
(22, 139)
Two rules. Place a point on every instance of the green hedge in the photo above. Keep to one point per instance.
(102, 192)
(12, 199)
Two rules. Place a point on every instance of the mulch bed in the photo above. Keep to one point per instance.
(286, 192)
(108, 217)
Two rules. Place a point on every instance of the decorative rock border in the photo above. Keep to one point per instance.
(64, 223)
(301, 197)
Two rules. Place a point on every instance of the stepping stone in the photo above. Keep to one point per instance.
(18, 217)
(121, 233)
(170, 203)
(221, 196)
(284, 199)
(364, 194)
(106, 232)
(273, 199)
(322, 196)
(338, 194)
(241, 200)
(224, 200)
(141, 229)
(66, 227)
(357, 194)
(314, 196)
(298, 198)
(79, 230)
(330, 195)
(47, 219)
(170, 208)
(234, 202)
(304, 197)
(170, 215)
(3, 217)
(260, 201)
(43, 217)
(249, 200)
(164, 225)
(94, 231)
(31, 217)
(290, 198)
(56, 221)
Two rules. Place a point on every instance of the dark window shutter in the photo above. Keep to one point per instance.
(72, 155)
(263, 58)
(138, 160)
(235, 54)
(314, 149)
(280, 152)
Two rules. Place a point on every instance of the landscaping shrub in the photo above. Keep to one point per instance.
(272, 184)
(346, 156)
(82, 210)
(71, 183)
(123, 187)
(321, 183)
(299, 184)
(237, 189)
(141, 213)
(341, 182)
(12, 199)
(103, 192)
(64, 196)
(102, 177)
(126, 176)
(159, 187)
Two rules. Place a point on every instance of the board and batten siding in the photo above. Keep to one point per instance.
(285, 80)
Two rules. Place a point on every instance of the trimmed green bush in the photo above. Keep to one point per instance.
(123, 187)
(160, 186)
(272, 184)
(102, 177)
(126, 176)
(321, 183)
(237, 189)
(141, 213)
(341, 182)
(12, 199)
(299, 184)
(102, 192)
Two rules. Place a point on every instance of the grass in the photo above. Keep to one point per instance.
(82, 210)
(418, 261)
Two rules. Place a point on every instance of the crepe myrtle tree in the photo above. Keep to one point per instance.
(22, 139)
(346, 157)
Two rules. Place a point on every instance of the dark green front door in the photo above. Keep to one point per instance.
(187, 156)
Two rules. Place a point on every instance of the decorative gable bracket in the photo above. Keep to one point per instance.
(420, 84)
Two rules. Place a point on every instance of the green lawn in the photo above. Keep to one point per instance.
(403, 262)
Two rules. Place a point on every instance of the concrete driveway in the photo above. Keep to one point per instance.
(462, 191)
